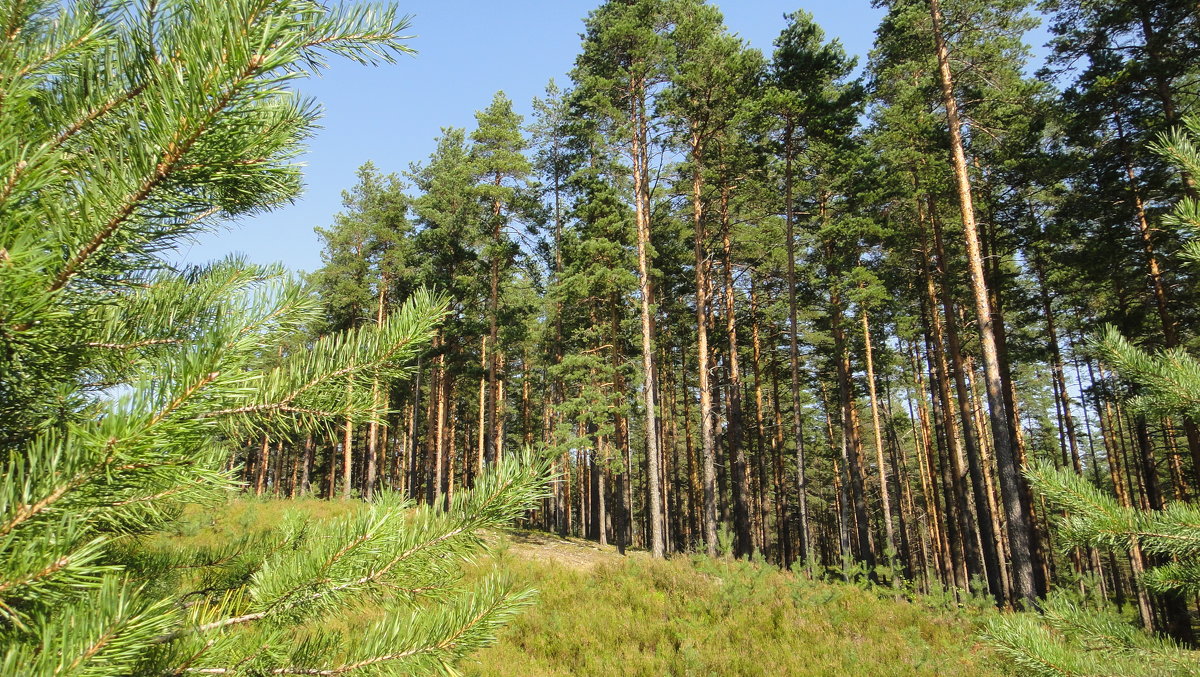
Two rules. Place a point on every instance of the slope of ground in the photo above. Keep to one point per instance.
(601, 613)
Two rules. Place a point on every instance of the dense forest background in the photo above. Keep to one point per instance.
(751, 303)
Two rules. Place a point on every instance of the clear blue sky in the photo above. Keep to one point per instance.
(467, 50)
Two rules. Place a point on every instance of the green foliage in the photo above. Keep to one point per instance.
(112, 155)
(500, 167)
(276, 587)
(497, 151)
(127, 127)
(1178, 146)
(1165, 383)
(367, 253)
(1070, 639)
(450, 220)
(600, 614)
(1094, 519)
(725, 617)
(808, 86)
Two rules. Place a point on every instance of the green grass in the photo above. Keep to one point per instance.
(693, 616)
(602, 614)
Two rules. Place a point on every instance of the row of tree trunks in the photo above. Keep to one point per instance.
(936, 536)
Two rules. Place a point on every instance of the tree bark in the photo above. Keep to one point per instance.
(641, 189)
(260, 474)
(347, 453)
(744, 544)
(1020, 526)
(621, 427)
(851, 439)
(884, 496)
(492, 432)
(793, 345)
(989, 546)
(306, 468)
(760, 427)
(707, 415)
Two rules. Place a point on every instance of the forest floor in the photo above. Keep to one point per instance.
(602, 613)
(577, 553)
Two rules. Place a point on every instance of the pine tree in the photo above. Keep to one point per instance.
(1165, 383)
(128, 127)
(366, 250)
(1132, 64)
(623, 64)
(711, 79)
(499, 163)
(809, 95)
(449, 241)
(553, 162)
(367, 263)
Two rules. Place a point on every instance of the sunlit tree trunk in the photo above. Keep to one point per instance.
(641, 189)
(884, 495)
(743, 545)
(851, 437)
(1020, 524)
(707, 415)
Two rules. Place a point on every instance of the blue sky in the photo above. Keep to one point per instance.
(467, 50)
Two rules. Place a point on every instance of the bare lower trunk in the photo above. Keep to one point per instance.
(306, 468)
(1020, 525)
(707, 416)
(622, 522)
(501, 399)
(380, 406)
(439, 439)
(451, 443)
(960, 524)
(760, 428)
(989, 551)
(793, 346)
(743, 544)
(883, 476)
(481, 455)
(264, 457)
(347, 455)
(929, 484)
(851, 439)
(640, 157)
(492, 432)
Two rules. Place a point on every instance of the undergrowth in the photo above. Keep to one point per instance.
(696, 616)
(683, 616)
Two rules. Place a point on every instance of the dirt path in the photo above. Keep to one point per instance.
(573, 552)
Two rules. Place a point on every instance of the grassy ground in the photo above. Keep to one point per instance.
(603, 614)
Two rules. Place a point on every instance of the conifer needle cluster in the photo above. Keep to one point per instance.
(125, 128)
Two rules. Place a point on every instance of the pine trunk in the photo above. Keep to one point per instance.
(793, 345)
(989, 547)
(708, 450)
(1020, 526)
(744, 544)
(884, 495)
(851, 438)
(641, 189)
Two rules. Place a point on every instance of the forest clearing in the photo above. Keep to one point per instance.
(717, 356)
